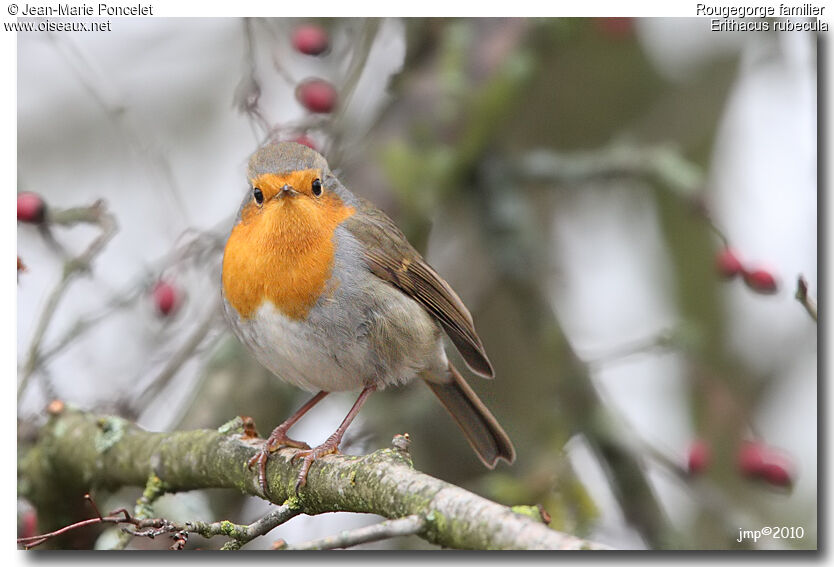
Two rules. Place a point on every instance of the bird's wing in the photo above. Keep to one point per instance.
(390, 257)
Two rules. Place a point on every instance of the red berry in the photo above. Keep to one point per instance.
(776, 471)
(761, 281)
(310, 39)
(28, 524)
(615, 28)
(166, 297)
(728, 263)
(700, 456)
(305, 141)
(755, 459)
(750, 458)
(30, 208)
(316, 95)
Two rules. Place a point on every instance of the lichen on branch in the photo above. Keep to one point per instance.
(77, 452)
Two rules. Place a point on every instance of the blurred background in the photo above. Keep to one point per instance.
(625, 206)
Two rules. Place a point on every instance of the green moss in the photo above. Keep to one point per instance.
(232, 426)
(529, 511)
(293, 503)
(232, 545)
(436, 525)
(110, 431)
(228, 528)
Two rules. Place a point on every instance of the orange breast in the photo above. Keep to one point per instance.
(282, 253)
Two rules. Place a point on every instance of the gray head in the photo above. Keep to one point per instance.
(285, 157)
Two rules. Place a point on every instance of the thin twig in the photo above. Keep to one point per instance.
(661, 164)
(85, 324)
(152, 527)
(705, 493)
(95, 214)
(199, 246)
(154, 488)
(348, 88)
(243, 534)
(410, 525)
(32, 541)
(277, 35)
(180, 357)
(802, 296)
(117, 112)
(662, 340)
(248, 93)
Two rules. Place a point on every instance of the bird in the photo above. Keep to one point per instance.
(327, 293)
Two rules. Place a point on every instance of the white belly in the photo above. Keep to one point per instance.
(298, 356)
(332, 350)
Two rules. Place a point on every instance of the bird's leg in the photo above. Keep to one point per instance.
(331, 445)
(279, 438)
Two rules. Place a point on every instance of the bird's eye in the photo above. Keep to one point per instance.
(258, 195)
(317, 189)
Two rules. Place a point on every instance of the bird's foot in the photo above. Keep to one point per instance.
(309, 456)
(276, 440)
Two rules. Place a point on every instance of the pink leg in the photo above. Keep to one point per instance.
(279, 438)
(331, 445)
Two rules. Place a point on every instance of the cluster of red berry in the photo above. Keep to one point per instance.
(315, 94)
(757, 279)
(755, 460)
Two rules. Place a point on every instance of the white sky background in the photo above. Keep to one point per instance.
(763, 172)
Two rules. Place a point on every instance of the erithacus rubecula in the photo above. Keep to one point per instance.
(328, 294)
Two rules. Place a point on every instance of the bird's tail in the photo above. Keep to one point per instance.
(479, 425)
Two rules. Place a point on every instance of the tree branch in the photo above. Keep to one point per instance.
(410, 525)
(78, 451)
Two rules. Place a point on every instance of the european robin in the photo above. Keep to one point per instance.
(328, 294)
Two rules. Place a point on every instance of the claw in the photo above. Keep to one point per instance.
(309, 456)
(277, 440)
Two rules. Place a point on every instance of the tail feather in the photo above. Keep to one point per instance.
(479, 426)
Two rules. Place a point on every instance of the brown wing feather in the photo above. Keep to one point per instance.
(390, 257)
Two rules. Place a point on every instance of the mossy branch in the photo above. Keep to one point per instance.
(77, 452)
